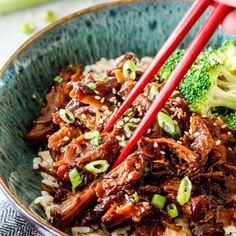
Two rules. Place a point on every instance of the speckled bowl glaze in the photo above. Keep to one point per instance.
(107, 30)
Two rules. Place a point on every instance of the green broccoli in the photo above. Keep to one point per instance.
(227, 54)
(169, 66)
(208, 83)
(231, 121)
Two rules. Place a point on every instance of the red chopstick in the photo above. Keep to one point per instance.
(184, 26)
(197, 45)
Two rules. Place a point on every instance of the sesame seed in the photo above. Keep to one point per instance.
(34, 96)
(104, 107)
(155, 144)
(230, 149)
(214, 124)
(196, 134)
(101, 121)
(186, 133)
(126, 119)
(97, 97)
(114, 91)
(95, 91)
(66, 138)
(139, 108)
(204, 116)
(229, 133)
(179, 142)
(122, 138)
(83, 116)
(103, 100)
(172, 108)
(149, 131)
(118, 138)
(218, 142)
(113, 99)
(162, 152)
(223, 126)
(106, 112)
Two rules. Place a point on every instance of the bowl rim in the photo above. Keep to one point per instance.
(36, 221)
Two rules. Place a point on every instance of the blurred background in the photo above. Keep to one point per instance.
(20, 19)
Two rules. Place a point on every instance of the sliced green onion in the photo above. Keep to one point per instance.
(147, 171)
(127, 112)
(49, 16)
(129, 70)
(101, 79)
(158, 201)
(185, 190)
(127, 128)
(74, 69)
(92, 134)
(75, 178)
(172, 210)
(58, 79)
(168, 125)
(135, 198)
(153, 92)
(96, 141)
(28, 27)
(40, 102)
(67, 116)
(92, 86)
(97, 167)
(123, 143)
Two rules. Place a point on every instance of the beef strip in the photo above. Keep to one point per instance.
(118, 214)
(57, 98)
(123, 176)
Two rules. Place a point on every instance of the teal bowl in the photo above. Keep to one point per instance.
(107, 30)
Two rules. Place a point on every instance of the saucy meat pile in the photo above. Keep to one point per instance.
(184, 167)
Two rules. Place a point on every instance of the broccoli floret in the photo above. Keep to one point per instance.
(169, 66)
(231, 121)
(227, 54)
(208, 84)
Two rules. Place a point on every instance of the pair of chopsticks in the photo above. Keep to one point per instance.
(196, 46)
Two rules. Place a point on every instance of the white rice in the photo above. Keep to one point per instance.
(44, 159)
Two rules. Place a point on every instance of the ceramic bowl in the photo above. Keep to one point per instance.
(107, 30)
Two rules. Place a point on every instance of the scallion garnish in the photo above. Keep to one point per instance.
(158, 201)
(97, 167)
(127, 128)
(129, 70)
(40, 102)
(127, 112)
(28, 27)
(101, 79)
(153, 92)
(49, 16)
(92, 134)
(185, 190)
(67, 116)
(74, 69)
(123, 143)
(96, 141)
(135, 197)
(172, 210)
(75, 178)
(92, 86)
(168, 125)
(58, 79)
